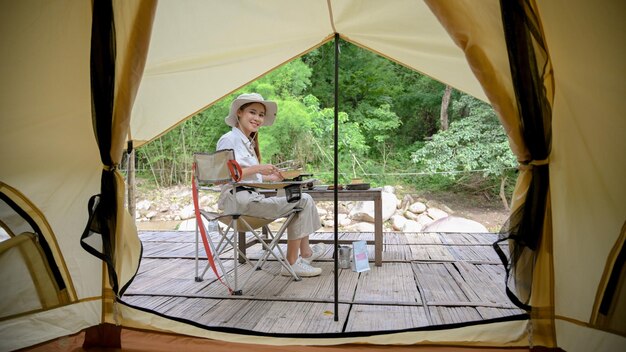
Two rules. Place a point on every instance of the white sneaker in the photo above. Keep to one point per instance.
(317, 250)
(301, 269)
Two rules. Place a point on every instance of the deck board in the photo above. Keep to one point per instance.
(426, 279)
(322, 287)
(393, 282)
(385, 317)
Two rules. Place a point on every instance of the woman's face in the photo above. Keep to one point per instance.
(251, 117)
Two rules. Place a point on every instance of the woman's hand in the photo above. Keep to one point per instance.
(267, 169)
(276, 177)
(270, 173)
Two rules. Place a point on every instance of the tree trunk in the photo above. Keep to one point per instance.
(445, 101)
(503, 194)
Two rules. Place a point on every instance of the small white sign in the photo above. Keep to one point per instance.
(359, 256)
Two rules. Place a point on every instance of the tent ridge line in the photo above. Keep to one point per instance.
(330, 16)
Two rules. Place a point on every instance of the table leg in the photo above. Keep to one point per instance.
(378, 230)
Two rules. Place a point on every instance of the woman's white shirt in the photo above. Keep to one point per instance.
(244, 151)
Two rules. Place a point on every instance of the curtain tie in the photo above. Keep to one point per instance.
(527, 165)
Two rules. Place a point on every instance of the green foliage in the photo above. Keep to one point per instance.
(477, 142)
(351, 144)
(290, 80)
(419, 107)
(388, 127)
(364, 77)
(290, 137)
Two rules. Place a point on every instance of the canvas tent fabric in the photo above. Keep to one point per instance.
(198, 53)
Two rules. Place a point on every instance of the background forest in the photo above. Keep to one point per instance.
(396, 127)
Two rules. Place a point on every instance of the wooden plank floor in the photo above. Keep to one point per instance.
(426, 279)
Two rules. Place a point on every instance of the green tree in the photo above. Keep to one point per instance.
(351, 144)
(289, 80)
(371, 85)
(290, 137)
(475, 143)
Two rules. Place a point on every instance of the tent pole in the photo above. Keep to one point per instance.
(336, 176)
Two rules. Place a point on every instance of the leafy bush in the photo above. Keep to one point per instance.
(473, 144)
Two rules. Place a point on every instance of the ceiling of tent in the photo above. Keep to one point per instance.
(200, 53)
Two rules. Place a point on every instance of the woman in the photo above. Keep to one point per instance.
(247, 114)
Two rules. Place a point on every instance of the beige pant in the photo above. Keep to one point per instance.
(254, 204)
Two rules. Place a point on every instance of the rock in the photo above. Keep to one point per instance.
(455, 224)
(398, 222)
(389, 189)
(361, 227)
(406, 200)
(206, 199)
(342, 219)
(143, 205)
(187, 212)
(412, 226)
(409, 215)
(417, 208)
(389, 204)
(424, 219)
(364, 211)
(441, 206)
(174, 203)
(183, 192)
(436, 213)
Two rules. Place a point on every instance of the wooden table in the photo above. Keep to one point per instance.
(372, 194)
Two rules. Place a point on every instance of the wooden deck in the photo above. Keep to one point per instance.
(426, 279)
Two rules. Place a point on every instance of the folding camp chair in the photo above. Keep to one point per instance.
(220, 168)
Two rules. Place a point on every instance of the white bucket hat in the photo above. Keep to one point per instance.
(270, 108)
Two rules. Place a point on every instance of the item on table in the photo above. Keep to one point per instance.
(358, 186)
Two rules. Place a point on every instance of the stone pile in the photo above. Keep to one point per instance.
(402, 215)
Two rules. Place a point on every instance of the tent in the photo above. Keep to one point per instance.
(553, 70)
